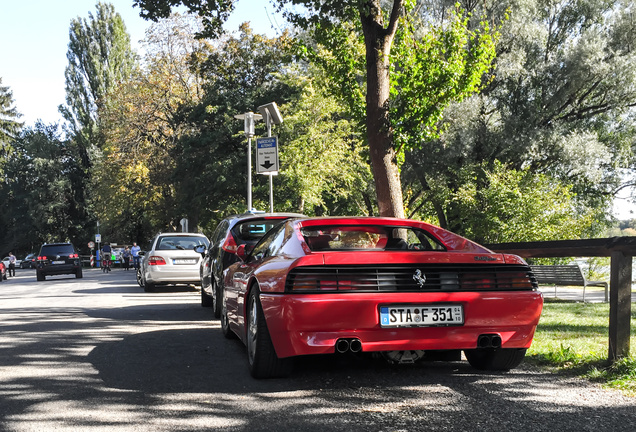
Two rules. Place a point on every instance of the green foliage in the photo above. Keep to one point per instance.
(136, 193)
(338, 49)
(324, 168)
(42, 200)
(99, 56)
(496, 204)
(444, 65)
(542, 110)
(573, 337)
(9, 125)
(620, 374)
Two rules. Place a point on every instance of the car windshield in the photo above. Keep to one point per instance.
(180, 242)
(62, 249)
(368, 237)
(251, 231)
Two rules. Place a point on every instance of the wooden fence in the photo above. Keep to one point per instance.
(620, 250)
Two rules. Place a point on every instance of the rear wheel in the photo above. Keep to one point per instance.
(149, 287)
(262, 358)
(79, 274)
(206, 299)
(140, 280)
(495, 359)
(216, 299)
(225, 324)
(40, 276)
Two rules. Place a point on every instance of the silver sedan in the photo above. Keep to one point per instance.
(171, 260)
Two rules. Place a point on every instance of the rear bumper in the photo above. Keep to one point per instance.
(58, 269)
(311, 324)
(173, 275)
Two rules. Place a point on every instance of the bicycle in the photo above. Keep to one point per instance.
(106, 264)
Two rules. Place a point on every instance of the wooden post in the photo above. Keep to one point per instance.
(620, 305)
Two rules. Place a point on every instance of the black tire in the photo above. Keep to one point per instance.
(79, 274)
(149, 287)
(261, 356)
(140, 280)
(40, 276)
(206, 300)
(217, 299)
(495, 359)
(225, 325)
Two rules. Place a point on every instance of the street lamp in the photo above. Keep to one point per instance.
(271, 114)
(248, 127)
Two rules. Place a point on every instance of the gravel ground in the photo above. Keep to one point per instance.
(98, 354)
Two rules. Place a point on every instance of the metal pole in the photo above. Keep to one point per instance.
(271, 193)
(268, 122)
(249, 173)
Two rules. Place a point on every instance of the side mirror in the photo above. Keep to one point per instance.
(241, 252)
(141, 253)
(200, 249)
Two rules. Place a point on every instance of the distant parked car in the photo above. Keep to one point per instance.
(402, 289)
(245, 229)
(28, 261)
(57, 259)
(171, 260)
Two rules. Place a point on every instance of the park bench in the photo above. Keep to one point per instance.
(565, 275)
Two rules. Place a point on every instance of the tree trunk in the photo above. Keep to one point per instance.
(378, 41)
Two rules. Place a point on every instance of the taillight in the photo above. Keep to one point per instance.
(519, 280)
(230, 245)
(42, 258)
(73, 256)
(478, 281)
(156, 260)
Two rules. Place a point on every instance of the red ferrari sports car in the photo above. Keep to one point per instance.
(400, 288)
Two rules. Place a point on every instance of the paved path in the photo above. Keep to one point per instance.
(98, 354)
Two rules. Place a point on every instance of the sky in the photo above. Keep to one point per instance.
(34, 41)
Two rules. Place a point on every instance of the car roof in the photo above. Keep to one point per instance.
(180, 234)
(256, 216)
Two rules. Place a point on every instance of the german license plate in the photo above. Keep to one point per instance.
(58, 262)
(421, 315)
(185, 261)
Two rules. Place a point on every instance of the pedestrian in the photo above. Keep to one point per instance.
(126, 255)
(11, 264)
(135, 254)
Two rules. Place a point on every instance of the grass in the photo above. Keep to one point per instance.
(573, 338)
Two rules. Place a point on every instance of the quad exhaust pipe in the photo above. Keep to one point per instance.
(344, 345)
(489, 341)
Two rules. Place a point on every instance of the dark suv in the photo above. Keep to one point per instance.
(56, 259)
(247, 229)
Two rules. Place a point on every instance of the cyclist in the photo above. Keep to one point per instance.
(106, 257)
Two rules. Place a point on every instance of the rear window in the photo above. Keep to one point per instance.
(55, 249)
(367, 237)
(252, 231)
(180, 242)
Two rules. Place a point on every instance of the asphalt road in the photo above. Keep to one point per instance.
(99, 354)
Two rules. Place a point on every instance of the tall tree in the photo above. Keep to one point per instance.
(40, 197)
(99, 56)
(559, 103)
(142, 124)
(9, 125)
(379, 23)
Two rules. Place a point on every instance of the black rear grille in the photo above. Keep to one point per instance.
(411, 278)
